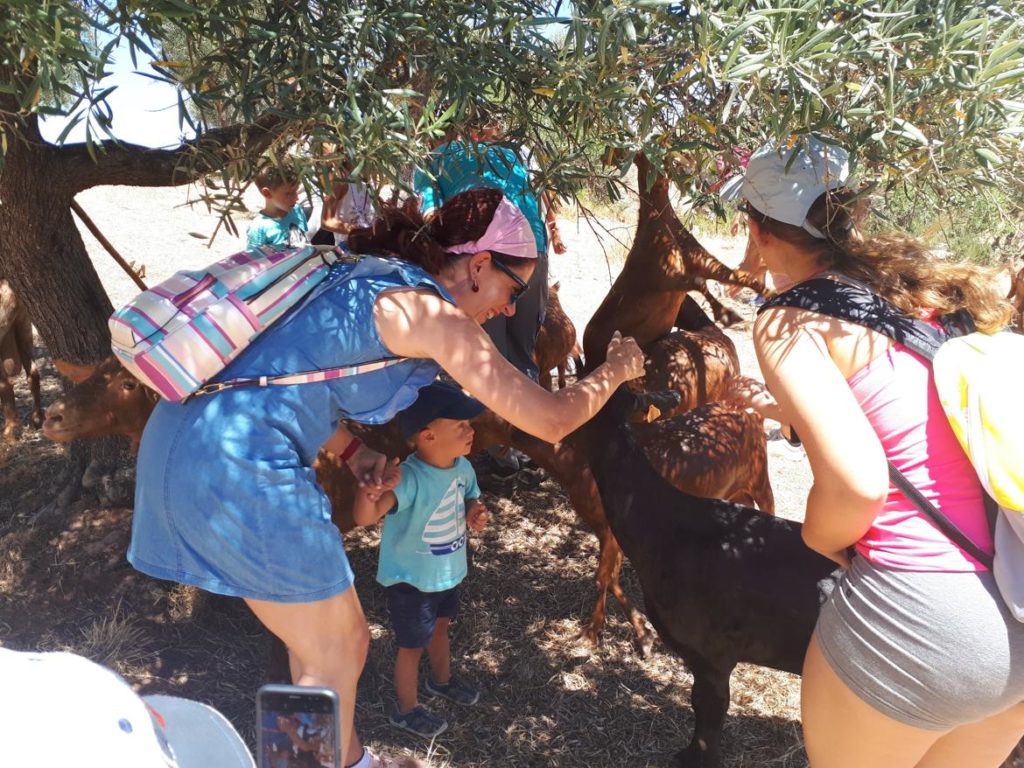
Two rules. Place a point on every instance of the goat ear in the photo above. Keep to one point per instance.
(653, 413)
(650, 405)
(77, 373)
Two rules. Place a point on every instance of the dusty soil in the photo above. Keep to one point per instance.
(549, 700)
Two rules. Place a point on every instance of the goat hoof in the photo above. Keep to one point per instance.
(11, 433)
(37, 419)
(590, 635)
(645, 645)
(695, 758)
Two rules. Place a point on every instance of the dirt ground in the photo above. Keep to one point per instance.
(549, 700)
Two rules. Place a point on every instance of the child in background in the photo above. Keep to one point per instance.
(428, 502)
(281, 223)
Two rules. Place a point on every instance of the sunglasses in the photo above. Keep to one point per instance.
(521, 284)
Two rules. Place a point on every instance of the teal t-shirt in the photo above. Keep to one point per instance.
(289, 230)
(424, 537)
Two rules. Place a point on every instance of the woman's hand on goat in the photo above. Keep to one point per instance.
(625, 357)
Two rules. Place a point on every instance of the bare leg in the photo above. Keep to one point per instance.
(985, 744)
(407, 674)
(439, 653)
(843, 731)
(327, 643)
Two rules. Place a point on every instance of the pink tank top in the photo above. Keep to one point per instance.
(896, 393)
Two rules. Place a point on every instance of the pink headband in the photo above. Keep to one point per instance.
(509, 232)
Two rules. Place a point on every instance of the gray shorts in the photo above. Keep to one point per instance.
(931, 650)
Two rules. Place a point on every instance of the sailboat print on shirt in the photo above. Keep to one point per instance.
(445, 531)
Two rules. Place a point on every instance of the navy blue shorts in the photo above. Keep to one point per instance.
(414, 613)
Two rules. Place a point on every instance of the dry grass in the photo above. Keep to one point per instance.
(549, 700)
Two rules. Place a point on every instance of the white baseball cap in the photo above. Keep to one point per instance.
(785, 192)
(60, 709)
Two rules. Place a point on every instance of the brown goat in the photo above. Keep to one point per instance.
(664, 263)
(106, 400)
(698, 362)
(16, 356)
(717, 451)
(556, 341)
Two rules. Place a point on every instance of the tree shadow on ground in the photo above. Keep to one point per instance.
(549, 699)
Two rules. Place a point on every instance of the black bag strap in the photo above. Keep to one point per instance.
(846, 299)
(942, 522)
(838, 296)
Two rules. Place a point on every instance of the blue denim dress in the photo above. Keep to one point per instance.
(226, 497)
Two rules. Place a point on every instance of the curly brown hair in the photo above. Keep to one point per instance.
(404, 232)
(899, 268)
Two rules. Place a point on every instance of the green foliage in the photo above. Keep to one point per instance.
(965, 226)
(922, 92)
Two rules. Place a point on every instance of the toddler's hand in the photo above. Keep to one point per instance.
(477, 517)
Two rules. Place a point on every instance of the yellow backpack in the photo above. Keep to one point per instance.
(980, 380)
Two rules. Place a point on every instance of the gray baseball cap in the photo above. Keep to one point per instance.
(785, 192)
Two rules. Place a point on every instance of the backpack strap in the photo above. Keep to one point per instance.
(304, 377)
(844, 298)
(942, 522)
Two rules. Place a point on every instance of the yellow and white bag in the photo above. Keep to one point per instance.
(980, 380)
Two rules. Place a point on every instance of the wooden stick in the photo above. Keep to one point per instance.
(106, 244)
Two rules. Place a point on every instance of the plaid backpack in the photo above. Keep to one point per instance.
(178, 335)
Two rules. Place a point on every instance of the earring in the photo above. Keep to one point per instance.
(476, 288)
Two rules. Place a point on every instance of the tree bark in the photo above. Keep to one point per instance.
(43, 255)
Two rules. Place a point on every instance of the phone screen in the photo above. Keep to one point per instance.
(298, 727)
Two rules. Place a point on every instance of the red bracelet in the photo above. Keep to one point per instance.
(350, 449)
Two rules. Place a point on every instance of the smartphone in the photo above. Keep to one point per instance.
(298, 727)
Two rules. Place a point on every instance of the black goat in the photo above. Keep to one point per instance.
(722, 583)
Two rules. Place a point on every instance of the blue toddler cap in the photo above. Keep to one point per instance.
(437, 401)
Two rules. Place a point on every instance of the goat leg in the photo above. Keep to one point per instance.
(723, 315)
(544, 379)
(703, 263)
(641, 629)
(606, 568)
(23, 342)
(709, 699)
(11, 426)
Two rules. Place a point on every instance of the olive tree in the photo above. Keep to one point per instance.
(921, 92)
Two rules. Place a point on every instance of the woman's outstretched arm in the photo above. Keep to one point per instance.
(419, 323)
